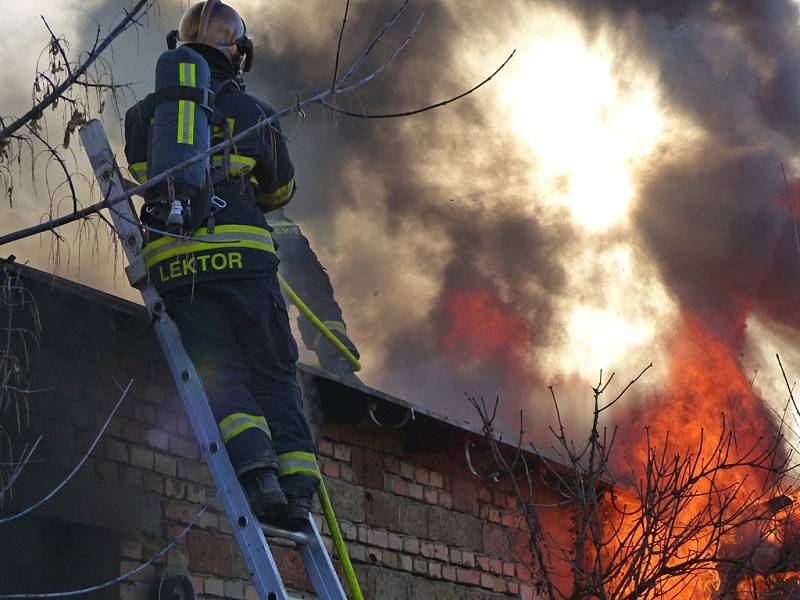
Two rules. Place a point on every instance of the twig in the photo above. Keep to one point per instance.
(58, 91)
(122, 577)
(338, 51)
(416, 111)
(77, 467)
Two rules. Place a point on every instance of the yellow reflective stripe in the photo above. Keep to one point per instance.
(219, 132)
(238, 164)
(201, 246)
(203, 231)
(139, 171)
(335, 326)
(279, 196)
(234, 424)
(186, 76)
(293, 463)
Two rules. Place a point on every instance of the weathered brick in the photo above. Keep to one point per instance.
(153, 482)
(437, 480)
(214, 586)
(496, 566)
(378, 537)
(406, 562)
(325, 447)
(350, 501)
(107, 470)
(157, 438)
(400, 487)
(182, 447)
(166, 420)
(415, 491)
(426, 549)
(484, 495)
(391, 464)
(498, 584)
(390, 559)
(468, 576)
(154, 393)
(422, 475)
(420, 565)
(411, 545)
(508, 569)
(440, 552)
(331, 469)
(445, 499)
(145, 414)
(116, 450)
(483, 563)
(431, 496)
(174, 488)
(487, 581)
(131, 549)
(392, 586)
(196, 493)
(449, 572)
(142, 457)
(347, 473)
(455, 529)
(382, 511)
(468, 559)
(250, 592)
(209, 553)
(132, 432)
(495, 540)
(165, 464)
(435, 570)
(234, 589)
(181, 512)
(395, 541)
(292, 569)
(407, 471)
(465, 496)
(341, 452)
(414, 518)
(357, 552)
(374, 556)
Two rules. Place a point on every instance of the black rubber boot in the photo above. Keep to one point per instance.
(265, 495)
(295, 516)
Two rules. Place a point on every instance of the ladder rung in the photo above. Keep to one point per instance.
(298, 537)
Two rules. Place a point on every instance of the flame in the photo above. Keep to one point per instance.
(707, 398)
(482, 327)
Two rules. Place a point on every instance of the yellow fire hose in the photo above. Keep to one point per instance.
(301, 306)
(322, 491)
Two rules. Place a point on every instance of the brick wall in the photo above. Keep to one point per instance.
(416, 521)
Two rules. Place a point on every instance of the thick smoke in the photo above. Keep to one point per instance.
(712, 218)
(430, 226)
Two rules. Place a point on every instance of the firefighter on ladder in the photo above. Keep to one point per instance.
(223, 294)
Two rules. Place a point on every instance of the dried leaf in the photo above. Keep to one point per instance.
(76, 120)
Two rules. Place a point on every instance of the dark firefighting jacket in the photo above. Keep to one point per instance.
(260, 178)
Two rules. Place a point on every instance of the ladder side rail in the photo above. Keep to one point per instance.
(245, 526)
(319, 565)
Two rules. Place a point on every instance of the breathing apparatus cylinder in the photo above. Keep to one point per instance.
(181, 129)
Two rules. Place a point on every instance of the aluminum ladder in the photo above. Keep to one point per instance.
(250, 534)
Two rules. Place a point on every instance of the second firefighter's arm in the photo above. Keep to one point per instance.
(274, 170)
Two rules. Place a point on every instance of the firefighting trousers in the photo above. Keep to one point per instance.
(237, 333)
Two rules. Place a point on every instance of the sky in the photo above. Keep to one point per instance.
(621, 173)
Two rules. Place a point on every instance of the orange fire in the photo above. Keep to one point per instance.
(708, 399)
(483, 328)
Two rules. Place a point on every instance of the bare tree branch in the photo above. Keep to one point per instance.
(76, 468)
(121, 578)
